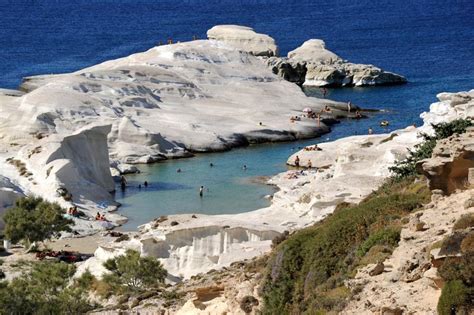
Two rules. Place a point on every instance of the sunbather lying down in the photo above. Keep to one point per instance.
(66, 256)
(295, 175)
(313, 147)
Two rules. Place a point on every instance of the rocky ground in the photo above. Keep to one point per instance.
(407, 282)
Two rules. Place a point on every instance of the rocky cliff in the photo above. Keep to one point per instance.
(71, 169)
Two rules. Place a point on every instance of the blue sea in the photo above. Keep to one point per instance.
(429, 42)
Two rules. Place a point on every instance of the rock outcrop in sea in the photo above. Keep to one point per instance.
(313, 65)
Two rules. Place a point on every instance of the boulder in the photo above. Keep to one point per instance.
(288, 69)
(245, 39)
(448, 167)
(127, 169)
(378, 269)
(314, 51)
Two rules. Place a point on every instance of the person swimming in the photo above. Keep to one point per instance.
(244, 167)
(201, 191)
(178, 170)
(211, 164)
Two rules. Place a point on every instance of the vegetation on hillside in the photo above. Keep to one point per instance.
(457, 295)
(131, 273)
(33, 219)
(406, 167)
(306, 272)
(47, 288)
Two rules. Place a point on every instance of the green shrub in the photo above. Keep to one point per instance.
(389, 236)
(132, 273)
(46, 289)
(376, 254)
(455, 298)
(464, 222)
(247, 303)
(305, 269)
(458, 268)
(407, 167)
(33, 219)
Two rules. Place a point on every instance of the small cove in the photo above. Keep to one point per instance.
(229, 188)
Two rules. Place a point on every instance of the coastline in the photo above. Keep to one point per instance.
(349, 170)
(179, 98)
(151, 106)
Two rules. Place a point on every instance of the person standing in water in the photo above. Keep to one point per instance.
(325, 92)
(201, 191)
(145, 184)
(123, 182)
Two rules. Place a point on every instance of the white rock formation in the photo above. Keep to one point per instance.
(245, 39)
(451, 106)
(314, 50)
(195, 96)
(67, 169)
(313, 65)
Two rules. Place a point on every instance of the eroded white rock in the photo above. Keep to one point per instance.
(245, 39)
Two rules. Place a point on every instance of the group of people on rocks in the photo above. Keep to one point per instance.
(312, 148)
(73, 211)
(297, 162)
(312, 115)
(100, 217)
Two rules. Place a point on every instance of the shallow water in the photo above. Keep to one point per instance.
(431, 42)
